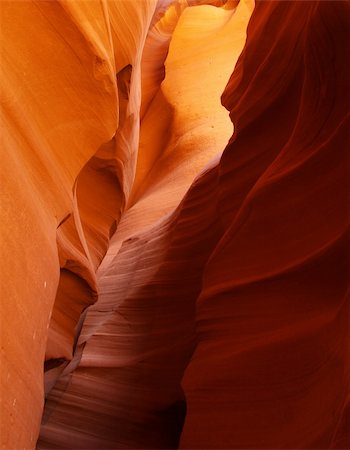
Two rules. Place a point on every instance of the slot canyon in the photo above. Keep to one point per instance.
(175, 224)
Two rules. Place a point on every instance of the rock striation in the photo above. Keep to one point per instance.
(272, 317)
(128, 356)
(173, 278)
(63, 110)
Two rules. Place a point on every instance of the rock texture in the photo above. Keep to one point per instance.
(218, 318)
(64, 67)
(272, 318)
(129, 338)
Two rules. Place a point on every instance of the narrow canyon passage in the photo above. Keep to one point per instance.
(135, 341)
(175, 200)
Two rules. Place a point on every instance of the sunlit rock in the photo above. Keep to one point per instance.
(174, 254)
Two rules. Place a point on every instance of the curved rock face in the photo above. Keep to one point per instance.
(272, 316)
(59, 108)
(182, 291)
(124, 348)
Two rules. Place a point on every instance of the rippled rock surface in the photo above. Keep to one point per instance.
(175, 248)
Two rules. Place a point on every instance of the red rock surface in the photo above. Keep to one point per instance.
(219, 315)
(272, 354)
(59, 108)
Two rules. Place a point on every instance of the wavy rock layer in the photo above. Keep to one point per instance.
(219, 316)
(133, 332)
(272, 318)
(60, 107)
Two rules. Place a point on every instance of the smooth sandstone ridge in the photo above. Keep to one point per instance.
(175, 225)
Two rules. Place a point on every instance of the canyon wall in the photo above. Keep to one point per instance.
(137, 339)
(69, 146)
(182, 291)
(272, 318)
